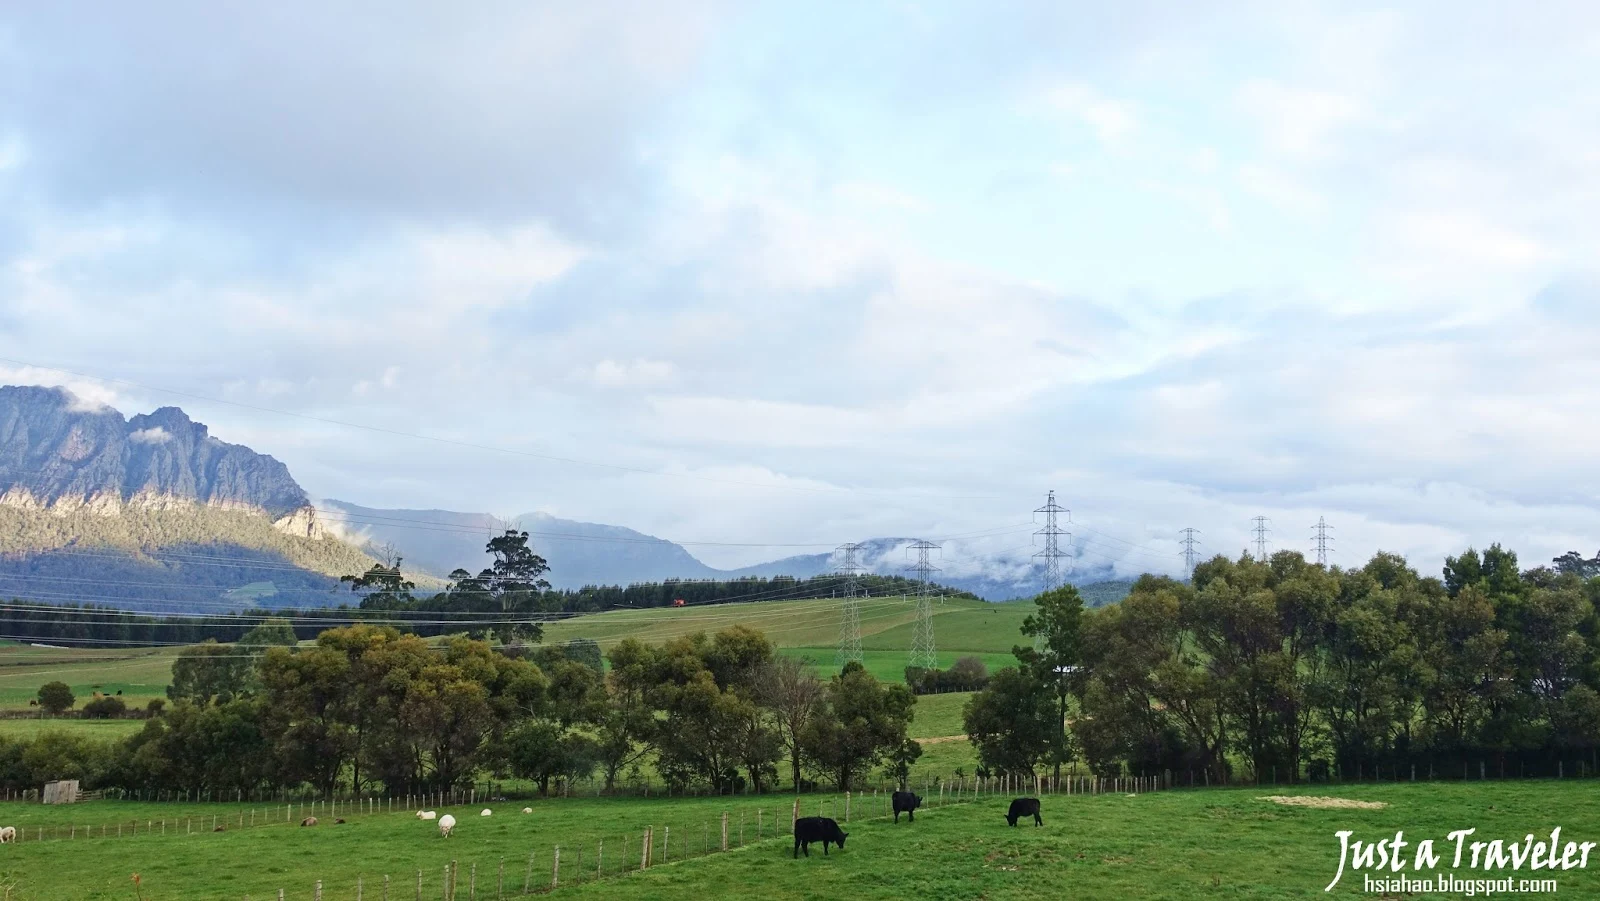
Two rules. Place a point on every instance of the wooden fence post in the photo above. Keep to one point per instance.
(358, 887)
(666, 844)
(317, 894)
(472, 883)
(419, 885)
(846, 814)
(499, 882)
(555, 871)
(644, 849)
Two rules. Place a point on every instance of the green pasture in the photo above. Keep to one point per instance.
(140, 674)
(1165, 845)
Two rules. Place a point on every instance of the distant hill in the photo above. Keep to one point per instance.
(580, 553)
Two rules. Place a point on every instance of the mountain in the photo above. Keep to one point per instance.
(56, 452)
(151, 512)
(580, 553)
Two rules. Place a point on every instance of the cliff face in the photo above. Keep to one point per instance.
(57, 453)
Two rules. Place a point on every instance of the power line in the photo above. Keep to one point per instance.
(923, 650)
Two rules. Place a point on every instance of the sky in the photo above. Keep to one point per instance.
(788, 275)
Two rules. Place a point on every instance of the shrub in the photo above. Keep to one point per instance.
(156, 707)
(104, 707)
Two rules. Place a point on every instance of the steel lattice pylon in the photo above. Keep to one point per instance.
(1052, 553)
(924, 653)
(850, 607)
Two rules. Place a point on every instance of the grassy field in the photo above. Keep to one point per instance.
(800, 628)
(100, 730)
(140, 674)
(1178, 845)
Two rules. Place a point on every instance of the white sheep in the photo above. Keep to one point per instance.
(527, 810)
(427, 814)
(446, 823)
(486, 812)
(8, 834)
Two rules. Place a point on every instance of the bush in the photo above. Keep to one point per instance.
(104, 708)
(968, 674)
(56, 697)
(156, 707)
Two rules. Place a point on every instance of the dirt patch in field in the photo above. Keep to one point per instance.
(1324, 803)
(941, 739)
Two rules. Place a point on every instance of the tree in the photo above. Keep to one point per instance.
(1058, 620)
(56, 697)
(272, 633)
(626, 729)
(381, 588)
(1573, 563)
(863, 722)
(210, 673)
(1012, 723)
(541, 750)
(794, 695)
(104, 707)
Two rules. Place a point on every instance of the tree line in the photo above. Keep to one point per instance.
(1279, 668)
(511, 592)
(370, 709)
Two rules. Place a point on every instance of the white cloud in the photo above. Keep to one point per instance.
(156, 435)
(1299, 122)
(634, 373)
(1111, 121)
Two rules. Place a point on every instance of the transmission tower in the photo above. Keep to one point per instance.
(1261, 531)
(850, 607)
(1189, 553)
(1322, 539)
(1052, 553)
(923, 653)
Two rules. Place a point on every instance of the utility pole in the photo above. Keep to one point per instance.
(1261, 531)
(1189, 553)
(1322, 539)
(923, 652)
(1052, 553)
(850, 609)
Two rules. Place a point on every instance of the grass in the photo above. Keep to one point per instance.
(140, 674)
(99, 730)
(1178, 845)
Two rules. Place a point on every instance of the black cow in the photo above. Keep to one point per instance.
(817, 829)
(907, 802)
(1024, 807)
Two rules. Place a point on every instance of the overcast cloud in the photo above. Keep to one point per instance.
(839, 272)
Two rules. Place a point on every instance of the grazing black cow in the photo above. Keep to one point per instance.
(1024, 807)
(907, 802)
(817, 829)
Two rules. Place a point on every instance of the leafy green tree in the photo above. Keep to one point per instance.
(542, 750)
(1012, 723)
(626, 728)
(104, 707)
(863, 723)
(56, 697)
(1058, 621)
(210, 673)
(381, 588)
(271, 633)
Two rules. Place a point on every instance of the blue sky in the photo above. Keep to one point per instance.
(840, 271)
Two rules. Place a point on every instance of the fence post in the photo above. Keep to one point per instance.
(499, 883)
(846, 814)
(796, 814)
(555, 871)
(385, 887)
(317, 894)
(472, 882)
(666, 844)
(419, 885)
(644, 849)
(358, 887)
